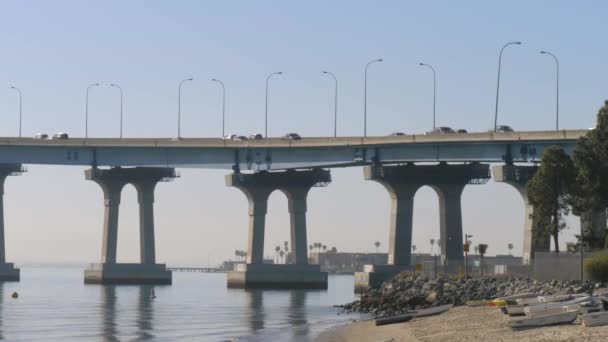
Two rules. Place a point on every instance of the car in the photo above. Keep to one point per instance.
(41, 136)
(397, 134)
(60, 136)
(292, 136)
(229, 136)
(240, 138)
(441, 130)
(462, 131)
(504, 128)
(257, 136)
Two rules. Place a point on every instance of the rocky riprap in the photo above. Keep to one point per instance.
(405, 292)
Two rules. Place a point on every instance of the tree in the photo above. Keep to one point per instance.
(324, 248)
(334, 250)
(510, 247)
(277, 249)
(483, 248)
(377, 244)
(281, 253)
(414, 249)
(549, 193)
(476, 248)
(591, 161)
(310, 247)
(432, 241)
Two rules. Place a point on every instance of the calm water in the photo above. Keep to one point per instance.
(55, 305)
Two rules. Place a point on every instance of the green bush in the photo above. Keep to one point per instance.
(597, 267)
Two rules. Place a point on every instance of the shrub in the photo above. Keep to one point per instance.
(597, 267)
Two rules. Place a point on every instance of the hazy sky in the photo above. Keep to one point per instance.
(53, 50)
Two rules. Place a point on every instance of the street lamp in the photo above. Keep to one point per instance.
(434, 89)
(266, 111)
(86, 113)
(179, 107)
(466, 254)
(498, 83)
(120, 89)
(20, 106)
(365, 97)
(223, 104)
(556, 88)
(335, 102)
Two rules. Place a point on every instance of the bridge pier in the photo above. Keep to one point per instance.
(112, 181)
(518, 176)
(258, 187)
(8, 272)
(402, 182)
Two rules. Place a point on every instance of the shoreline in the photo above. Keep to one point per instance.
(460, 324)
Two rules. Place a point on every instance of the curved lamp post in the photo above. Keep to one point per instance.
(434, 89)
(179, 106)
(498, 83)
(20, 106)
(86, 111)
(266, 111)
(365, 97)
(335, 102)
(556, 88)
(223, 104)
(120, 89)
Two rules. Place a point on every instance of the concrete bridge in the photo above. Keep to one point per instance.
(401, 163)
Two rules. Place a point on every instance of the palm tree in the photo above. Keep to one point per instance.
(277, 249)
(377, 244)
(476, 248)
(334, 250)
(310, 247)
(414, 249)
(324, 248)
(439, 245)
(281, 253)
(510, 247)
(432, 241)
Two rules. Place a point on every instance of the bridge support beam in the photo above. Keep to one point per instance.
(402, 182)
(112, 181)
(297, 273)
(518, 176)
(8, 272)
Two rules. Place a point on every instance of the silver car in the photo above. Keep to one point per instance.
(441, 130)
(41, 136)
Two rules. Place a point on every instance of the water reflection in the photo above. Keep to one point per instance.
(256, 310)
(108, 298)
(297, 313)
(145, 313)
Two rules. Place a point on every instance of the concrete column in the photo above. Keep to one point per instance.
(518, 177)
(111, 193)
(258, 206)
(2, 250)
(297, 217)
(450, 223)
(145, 197)
(7, 271)
(401, 221)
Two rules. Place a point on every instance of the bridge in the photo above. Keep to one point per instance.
(402, 164)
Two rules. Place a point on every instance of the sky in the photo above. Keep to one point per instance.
(53, 50)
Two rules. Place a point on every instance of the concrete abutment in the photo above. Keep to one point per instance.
(112, 181)
(257, 187)
(8, 272)
(402, 182)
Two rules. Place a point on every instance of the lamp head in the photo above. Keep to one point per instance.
(279, 73)
(517, 43)
(421, 64)
(190, 79)
(543, 52)
(379, 59)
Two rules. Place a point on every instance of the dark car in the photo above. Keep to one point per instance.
(441, 130)
(462, 131)
(257, 136)
(397, 134)
(292, 136)
(504, 128)
(60, 136)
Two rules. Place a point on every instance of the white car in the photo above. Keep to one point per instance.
(41, 136)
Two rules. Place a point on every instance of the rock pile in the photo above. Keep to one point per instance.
(405, 292)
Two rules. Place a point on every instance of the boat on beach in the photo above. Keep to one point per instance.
(543, 320)
(595, 319)
(404, 317)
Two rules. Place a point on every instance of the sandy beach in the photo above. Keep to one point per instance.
(461, 324)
